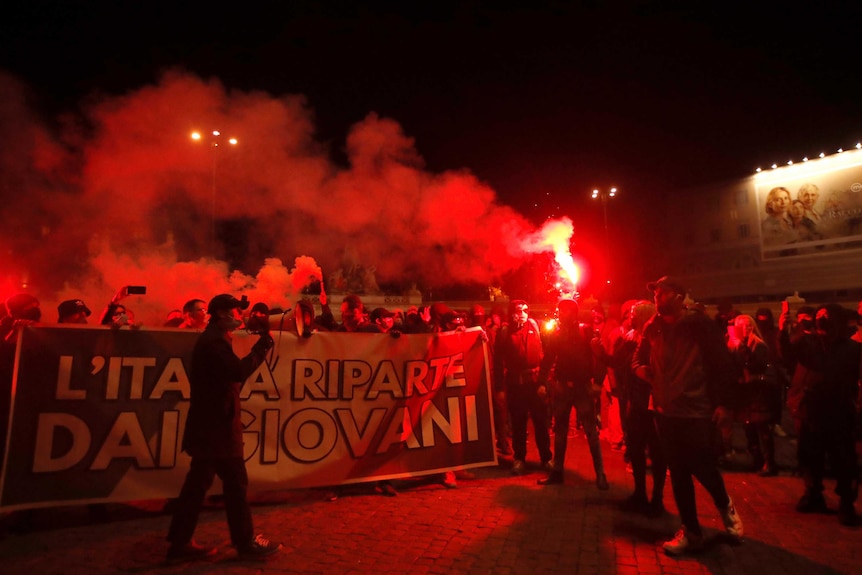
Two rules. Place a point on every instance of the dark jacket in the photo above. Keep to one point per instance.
(825, 383)
(690, 363)
(517, 355)
(214, 427)
(568, 352)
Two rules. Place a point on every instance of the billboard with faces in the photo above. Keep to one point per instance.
(812, 207)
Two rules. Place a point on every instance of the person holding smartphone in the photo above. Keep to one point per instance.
(115, 313)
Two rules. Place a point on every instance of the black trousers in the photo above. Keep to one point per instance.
(833, 438)
(688, 445)
(525, 404)
(643, 435)
(567, 396)
(232, 472)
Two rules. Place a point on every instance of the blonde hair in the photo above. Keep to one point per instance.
(755, 337)
(770, 197)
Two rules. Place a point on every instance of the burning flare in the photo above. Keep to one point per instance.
(555, 236)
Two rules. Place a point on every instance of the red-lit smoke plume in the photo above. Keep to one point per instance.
(555, 237)
(122, 195)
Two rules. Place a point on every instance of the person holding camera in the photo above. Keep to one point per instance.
(213, 436)
(115, 314)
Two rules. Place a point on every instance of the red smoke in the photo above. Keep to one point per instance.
(122, 195)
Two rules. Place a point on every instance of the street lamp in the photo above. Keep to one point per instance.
(605, 195)
(214, 144)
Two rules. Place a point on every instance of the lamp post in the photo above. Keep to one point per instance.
(604, 196)
(214, 144)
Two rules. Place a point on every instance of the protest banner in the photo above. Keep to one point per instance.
(97, 413)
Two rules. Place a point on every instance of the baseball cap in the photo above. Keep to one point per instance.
(380, 313)
(225, 301)
(71, 307)
(667, 282)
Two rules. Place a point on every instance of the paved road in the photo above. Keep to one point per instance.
(494, 523)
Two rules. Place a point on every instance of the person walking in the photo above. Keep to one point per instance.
(684, 358)
(213, 436)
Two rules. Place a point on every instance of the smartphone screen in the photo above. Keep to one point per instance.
(139, 290)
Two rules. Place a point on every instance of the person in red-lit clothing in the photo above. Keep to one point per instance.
(517, 356)
(213, 436)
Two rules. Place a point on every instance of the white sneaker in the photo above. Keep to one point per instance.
(683, 543)
(732, 522)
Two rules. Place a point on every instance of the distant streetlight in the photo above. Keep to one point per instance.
(215, 140)
(605, 195)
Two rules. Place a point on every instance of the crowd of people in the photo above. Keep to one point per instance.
(671, 379)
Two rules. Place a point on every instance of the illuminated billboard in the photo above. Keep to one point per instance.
(811, 207)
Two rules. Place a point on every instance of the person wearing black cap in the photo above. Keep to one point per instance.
(213, 436)
(73, 311)
(684, 358)
(381, 320)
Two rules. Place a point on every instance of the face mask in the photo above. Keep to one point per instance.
(229, 323)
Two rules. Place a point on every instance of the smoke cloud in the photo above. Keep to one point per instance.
(120, 194)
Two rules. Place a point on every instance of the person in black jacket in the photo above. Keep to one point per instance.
(576, 371)
(684, 358)
(822, 400)
(213, 435)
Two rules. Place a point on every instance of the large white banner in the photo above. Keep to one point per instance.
(97, 413)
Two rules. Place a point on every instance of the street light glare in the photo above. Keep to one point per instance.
(216, 133)
(196, 136)
(232, 141)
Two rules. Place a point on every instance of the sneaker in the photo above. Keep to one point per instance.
(190, 551)
(518, 467)
(547, 466)
(811, 503)
(260, 546)
(683, 543)
(448, 480)
(732, 522)
(602, 482)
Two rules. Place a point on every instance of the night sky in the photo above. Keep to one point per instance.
(542, 104)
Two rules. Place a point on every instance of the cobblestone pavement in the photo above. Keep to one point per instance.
(493, 523)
